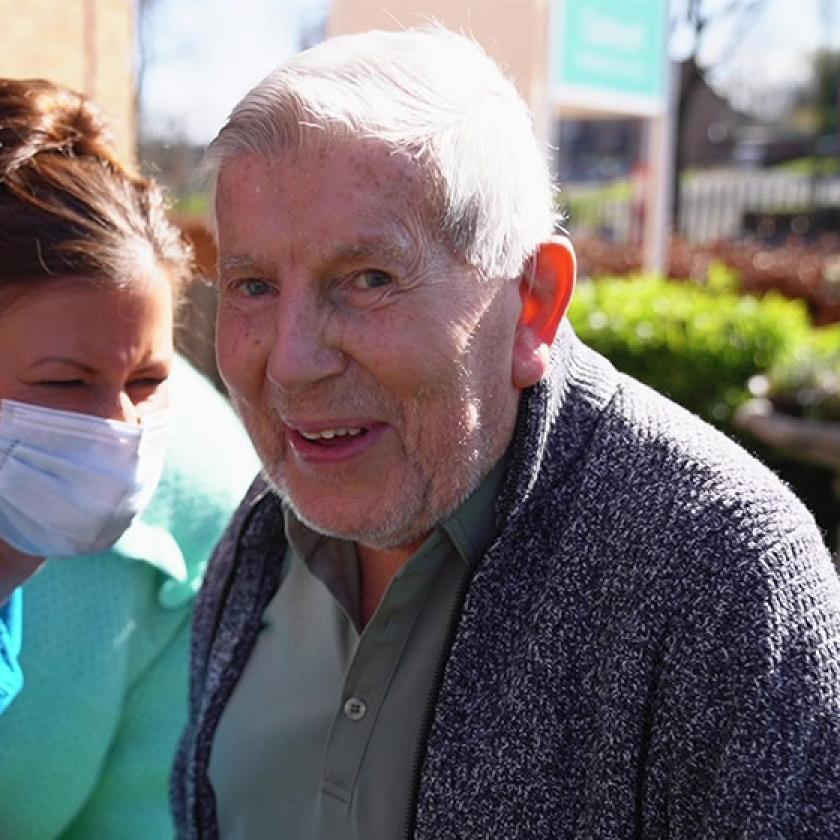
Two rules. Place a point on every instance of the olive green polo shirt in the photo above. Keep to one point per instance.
(320, 736)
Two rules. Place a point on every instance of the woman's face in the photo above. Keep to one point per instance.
(72, 345)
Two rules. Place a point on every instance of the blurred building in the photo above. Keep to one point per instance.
(601, 150)
(524, 57)
(88, 45)
(594, 143)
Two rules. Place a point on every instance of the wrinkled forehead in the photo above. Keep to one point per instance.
(380, 168)
(327, 203)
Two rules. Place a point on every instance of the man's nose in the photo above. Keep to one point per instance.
(305, 348)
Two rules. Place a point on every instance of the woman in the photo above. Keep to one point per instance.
(90, 272)
(89, 268)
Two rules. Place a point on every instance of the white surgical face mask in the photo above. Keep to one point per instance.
(72, 483)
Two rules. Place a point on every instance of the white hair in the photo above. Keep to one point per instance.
(429, 93)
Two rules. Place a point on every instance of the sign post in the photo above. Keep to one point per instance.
(608, 58)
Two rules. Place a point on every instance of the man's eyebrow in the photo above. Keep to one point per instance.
(236, 262)
(387, 249)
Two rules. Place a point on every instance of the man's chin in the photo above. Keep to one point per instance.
(411, 518)
(379, 535)
(401, 530)
(359, 522)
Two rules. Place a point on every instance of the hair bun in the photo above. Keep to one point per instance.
(37, 116)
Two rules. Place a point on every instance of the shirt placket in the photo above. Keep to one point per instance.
(374, 664)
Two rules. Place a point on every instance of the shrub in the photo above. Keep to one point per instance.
(701, 345)
(697, 345)
(809, 270)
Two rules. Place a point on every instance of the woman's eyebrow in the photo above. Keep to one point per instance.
(64, 360)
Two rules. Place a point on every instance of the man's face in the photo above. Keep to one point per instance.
(370, 366)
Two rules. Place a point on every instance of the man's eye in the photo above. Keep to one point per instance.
(367, 280)
(254, 288)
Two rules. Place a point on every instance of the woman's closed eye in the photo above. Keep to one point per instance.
(62, 383)
(148, 382)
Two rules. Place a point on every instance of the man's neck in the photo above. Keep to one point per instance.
(377, 568)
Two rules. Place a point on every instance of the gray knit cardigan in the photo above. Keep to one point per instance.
(648, 649)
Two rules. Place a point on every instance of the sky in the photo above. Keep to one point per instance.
(774, 54)
(201, 56)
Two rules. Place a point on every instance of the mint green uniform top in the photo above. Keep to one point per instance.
(320, 736)
(87, 747)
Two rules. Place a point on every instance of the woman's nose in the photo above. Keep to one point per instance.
(119, 406)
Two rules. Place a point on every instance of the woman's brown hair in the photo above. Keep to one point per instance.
(68, 206)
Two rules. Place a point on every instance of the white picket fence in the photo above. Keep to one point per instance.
(713, 203)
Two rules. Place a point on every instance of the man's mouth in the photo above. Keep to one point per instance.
(323, 443)
(328, 437)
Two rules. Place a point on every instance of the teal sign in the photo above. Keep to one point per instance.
(614, 47)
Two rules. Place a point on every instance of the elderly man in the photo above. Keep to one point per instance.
(487, 586)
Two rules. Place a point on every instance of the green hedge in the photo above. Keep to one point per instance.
(700, 346)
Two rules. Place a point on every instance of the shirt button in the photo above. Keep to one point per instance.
(355, 709)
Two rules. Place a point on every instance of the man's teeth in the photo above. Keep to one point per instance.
(329, 434)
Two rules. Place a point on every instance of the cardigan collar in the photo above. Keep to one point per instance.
(565, 407)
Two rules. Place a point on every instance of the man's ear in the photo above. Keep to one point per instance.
(546, 288)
